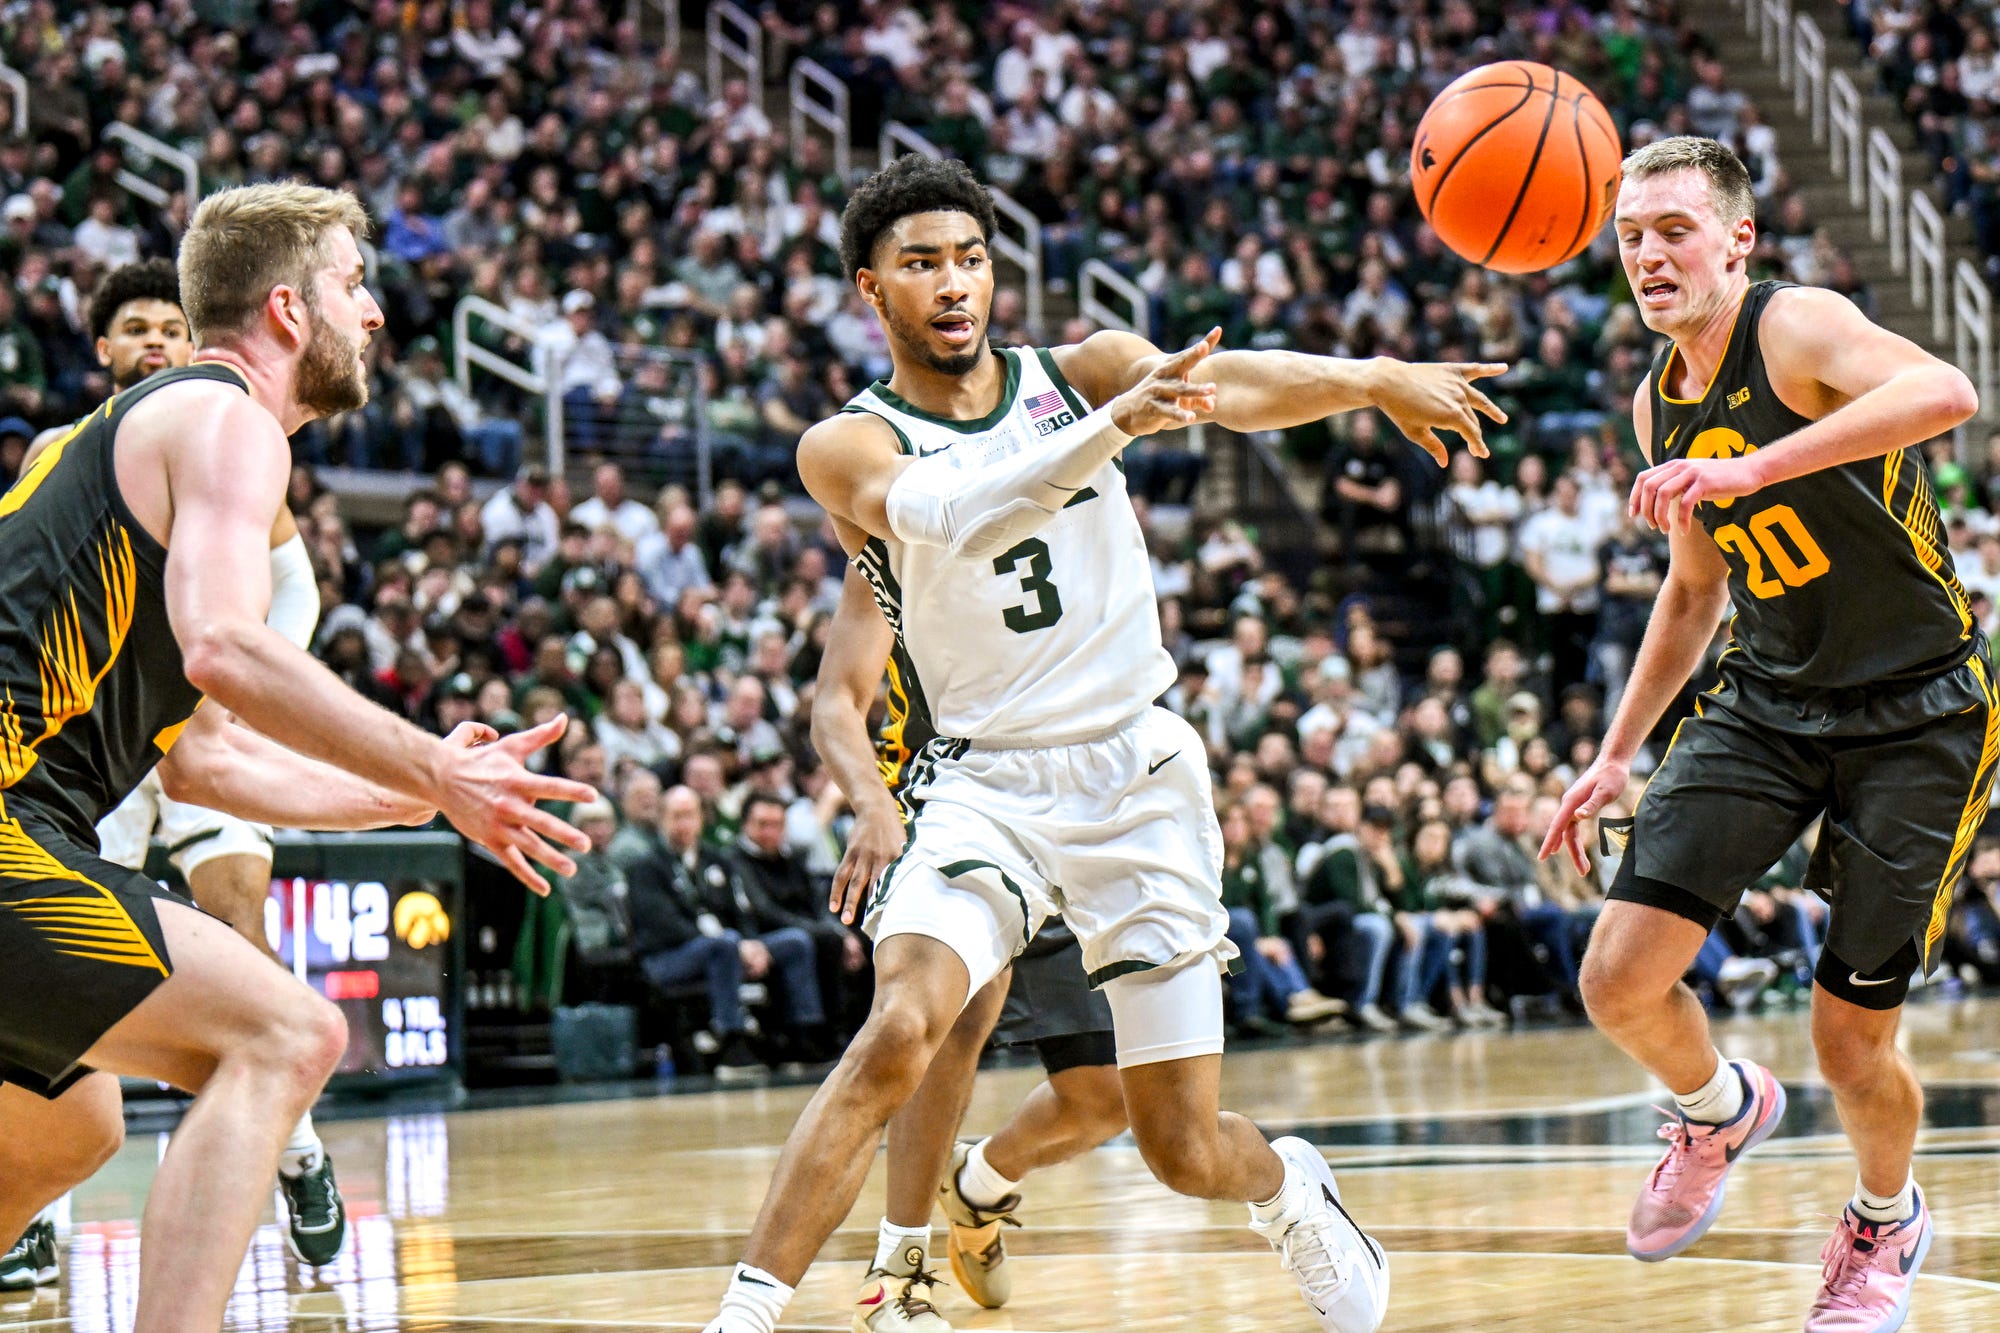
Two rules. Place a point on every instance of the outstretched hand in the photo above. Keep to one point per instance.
(1167, 398)
(489, 795)
(1602, 783)
(1423, 398)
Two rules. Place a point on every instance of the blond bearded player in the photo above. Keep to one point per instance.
(137, 586)
(139, 326)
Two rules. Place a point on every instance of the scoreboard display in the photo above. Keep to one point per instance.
(372, 922)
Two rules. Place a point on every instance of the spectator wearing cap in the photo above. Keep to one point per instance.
(609, 507)
(439, 420)
(574, 352)
(15, 433)
(521, 512)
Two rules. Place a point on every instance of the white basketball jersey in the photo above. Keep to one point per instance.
(1057, 638)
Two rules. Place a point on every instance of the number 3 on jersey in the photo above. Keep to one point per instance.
(1048, 606)
(1777, 534)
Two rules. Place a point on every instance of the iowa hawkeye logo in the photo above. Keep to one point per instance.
(421, 920)
(1720, 442)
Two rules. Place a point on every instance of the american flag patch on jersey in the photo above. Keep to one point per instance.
(1044, 403)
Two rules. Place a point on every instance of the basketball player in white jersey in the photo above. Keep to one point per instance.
(136, 318)
(979, 491)
(1049, 1002)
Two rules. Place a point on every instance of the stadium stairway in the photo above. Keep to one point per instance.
(1806, 163)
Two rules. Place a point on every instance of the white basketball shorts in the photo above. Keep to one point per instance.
(192, 834)
(1118, 834)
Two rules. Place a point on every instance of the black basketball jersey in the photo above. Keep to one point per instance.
(92, 687)
(1840, 578)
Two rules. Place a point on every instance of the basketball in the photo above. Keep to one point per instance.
(1516, 166)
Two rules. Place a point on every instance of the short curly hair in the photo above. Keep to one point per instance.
(147, 280)
(911, 184)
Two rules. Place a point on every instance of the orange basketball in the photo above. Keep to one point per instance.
(1516, 166)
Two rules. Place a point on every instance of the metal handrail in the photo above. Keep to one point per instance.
(1024, 250)
(531, 378)
(1843, 119)
(1972, 318)
(734, 35)
(670, 16)
(1774, 35)
(834, 115)
(1927, 252)
(17, 84)
(1809, 90)
(1096, 274)
(1885, 194)
(154, 150)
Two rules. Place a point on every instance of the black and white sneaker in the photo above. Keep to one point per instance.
(31, 1262)
(1343, 1275)
(737, 1061)
(318, 1218)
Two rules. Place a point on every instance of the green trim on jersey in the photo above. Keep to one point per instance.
(902, 440)
(1008, 392)
(1070, 395)
(957, 868)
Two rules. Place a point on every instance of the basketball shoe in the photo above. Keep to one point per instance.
(1869, 1271)
(317, 1217)
(32, 1261)
(978, 1255)
(1343, 1275)
(1683, 1196)
(893, 1303)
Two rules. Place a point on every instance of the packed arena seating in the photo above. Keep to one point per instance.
(1245, 164)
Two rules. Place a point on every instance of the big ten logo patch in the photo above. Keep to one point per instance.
(1049, 412)
(1720, 442)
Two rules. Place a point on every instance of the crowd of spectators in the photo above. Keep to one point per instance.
(1381, 784)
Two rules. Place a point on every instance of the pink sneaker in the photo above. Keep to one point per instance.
(1683, 1196)
(1871, 1268)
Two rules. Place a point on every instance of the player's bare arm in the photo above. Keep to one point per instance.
(222, 765)
(1690, 605)
(849, 675)
(852, 466)
(204, 469)
(1275, 390)
(1871, 390)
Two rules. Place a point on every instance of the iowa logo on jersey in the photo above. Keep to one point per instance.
(1721, 442)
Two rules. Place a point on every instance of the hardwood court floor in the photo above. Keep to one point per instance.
(1496, 1168)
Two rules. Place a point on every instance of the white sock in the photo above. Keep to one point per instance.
(979, 1183)
(1885, 1207)
(900, 1251)
(752, 1304)
(1718, 1101)
(1287, 1205)
(303, 1152)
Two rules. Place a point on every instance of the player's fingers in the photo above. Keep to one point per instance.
(1486, 406)
(1185, 359)
(555, 830)
(1428, 440)
(1576, 854)
(1479, 370)
(1468, 426)
(534, 738)
(537, 850)
(531, 786)
(1565, 815)
(517, 866)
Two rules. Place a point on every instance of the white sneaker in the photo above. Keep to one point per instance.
(1343, 1275)
(1371, 1017)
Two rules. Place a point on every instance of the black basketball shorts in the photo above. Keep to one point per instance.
(1051, 1005)
(1898, 780)
(80, 948)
